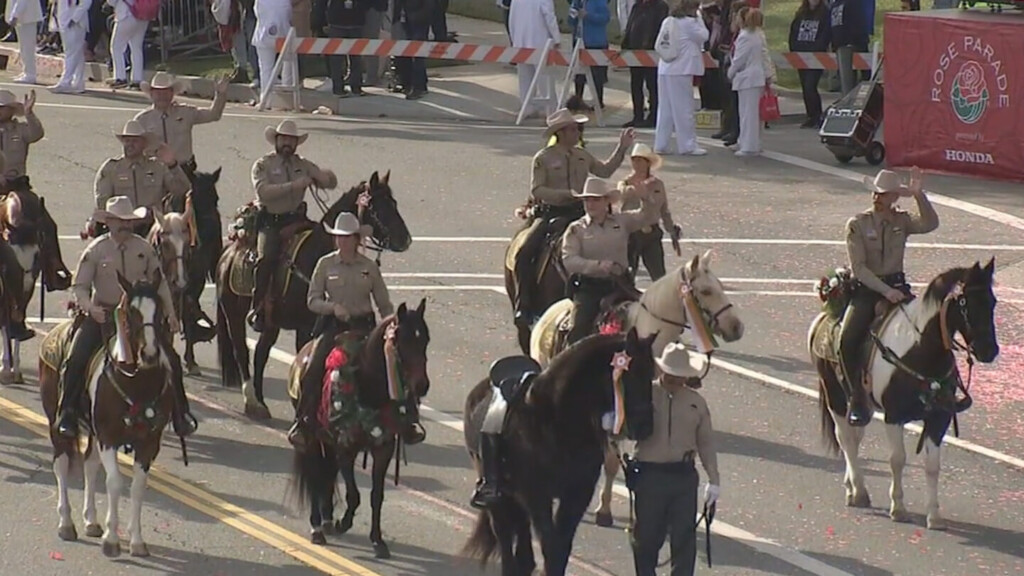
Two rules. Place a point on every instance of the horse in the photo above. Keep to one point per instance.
(235, 279)
(29, 231)
(551, 280)
(661, 310)
(554, 446)
(171, 237)
(370, 425)
(128, 404)
(912, 376)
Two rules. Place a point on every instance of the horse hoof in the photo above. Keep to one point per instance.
(93, 530)
(257, 412)
(862, 500)
(380, 551)
(111, 549)
(604, 520)
(67, 533)
(899, 515)
(19, 378)
(937, 523)
(344, 525)
(329, 528)
(194, 370)
(140, 550)
(317, 537)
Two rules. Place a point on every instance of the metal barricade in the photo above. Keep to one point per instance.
(185, 28)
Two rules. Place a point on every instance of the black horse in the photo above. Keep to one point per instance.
(554, 447)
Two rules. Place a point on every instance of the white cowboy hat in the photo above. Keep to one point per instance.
(641, 150)
(285, 128)
(120, 207)
(675, 360)
(596, 188)
(8, 99)
(134, 129)
(885, 181)
(346, 224)
(161, 81)
(562, 118)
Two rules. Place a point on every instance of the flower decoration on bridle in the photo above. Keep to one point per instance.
(620, 365)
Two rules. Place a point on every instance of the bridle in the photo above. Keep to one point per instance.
(363, 214)
(710, 317)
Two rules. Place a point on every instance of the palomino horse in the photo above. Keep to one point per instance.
(369, 421)
(554, 446)
(28, 230)
(235, 279)
(661, 310)
(912, 376)
(129, 403)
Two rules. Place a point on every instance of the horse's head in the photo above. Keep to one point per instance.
(709, 293)
(977, 304)
(411, 339)
(171, 236)
(389, 229)
(204, 193)
(636, 385)
(139, 332)
(21, 213)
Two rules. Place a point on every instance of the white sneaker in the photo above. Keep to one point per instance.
(746, 153)
(696, 152)
(60, 89)
(22, 79)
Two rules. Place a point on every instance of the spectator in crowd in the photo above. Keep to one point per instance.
(686, 34)
(439, 21)
(25, 16)
(345, 19)
(712, 94)
(505, 5)
(623, 8)
(416, 16)
(731, 26)
(372, 26)
(642, 28)
(809, 32)
(749, 79)
(273, 20)
(590, 18)
(97, 29)
(532, 23)
(242, 50)
(849, 31)
(129, 34)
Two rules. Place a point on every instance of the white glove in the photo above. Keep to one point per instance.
(607, 421)
(711, 493)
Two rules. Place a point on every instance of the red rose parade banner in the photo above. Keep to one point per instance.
(953, 80)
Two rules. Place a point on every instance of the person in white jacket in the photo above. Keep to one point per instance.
(748, 78)
(25, 16)
(273, 20)
(71, 20)
(531, 24)
(129, 34)
(685, 33)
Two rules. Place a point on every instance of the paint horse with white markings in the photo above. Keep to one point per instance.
(173, 237)
(129, 403)
(911, 375)
(691, 296)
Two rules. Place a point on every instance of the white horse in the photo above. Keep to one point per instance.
(661, 310)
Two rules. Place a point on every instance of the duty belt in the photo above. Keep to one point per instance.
(897, 280)
(573, 211)
(268, 219)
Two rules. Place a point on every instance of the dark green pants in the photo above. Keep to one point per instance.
(647, 245)
(666, 505)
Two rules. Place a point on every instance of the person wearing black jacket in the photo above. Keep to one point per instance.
(849, 32)
(416, 17)
(810, 32)
(642, 28)
(730, 132)
(345, 19)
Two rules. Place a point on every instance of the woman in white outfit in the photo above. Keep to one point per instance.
(129, 33)
(71, 19)
(25, 16)
(685, 33)
(273, 20)
(748, 78)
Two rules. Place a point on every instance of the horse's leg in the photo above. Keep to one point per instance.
(347, 462)
(571, 507)
(603, 516)
(544, 526)
(849, 438)
(191, 368)
(525, 560)
(254, 402)
(504, 524)
(140, 476)
(932, 463)
(381, 461)
(61, 470)
(6, 369)
(897, 461)
(91, 471)
(19, 378)
(111, 541)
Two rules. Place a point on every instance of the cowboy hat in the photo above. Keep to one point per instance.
(595, 188)
(8, 99)
(676, 361)
(562, 118)
(285, 128)
(134, 129)
(641, 150)
(120, 207)
(346, 224)
(885, 181)
(161, 81)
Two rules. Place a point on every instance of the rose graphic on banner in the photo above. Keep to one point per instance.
(969, 93)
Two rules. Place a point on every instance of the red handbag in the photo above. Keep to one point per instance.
(769, 105)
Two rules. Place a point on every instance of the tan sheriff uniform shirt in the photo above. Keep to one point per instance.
(15, 137)
(682, 424)
(349, 284)
(586, 242)
(657, 198)
(876, 243)
(273, 175)
(175, 126)
(144, 181)
(97, 272)
(558, 172)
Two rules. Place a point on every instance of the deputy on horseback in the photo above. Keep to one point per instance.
(280, 179)
(340, 290)
(876, 240)
(172, 122)
(558, 172)
(146, 181)
(17, 136)
(96, 293)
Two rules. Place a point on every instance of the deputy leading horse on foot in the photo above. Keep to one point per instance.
(552, 431)
(302, 247)
(911, 373)
(128, 404)
(368, 388)
(691, 297)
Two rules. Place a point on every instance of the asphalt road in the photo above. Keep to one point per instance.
(774, 228)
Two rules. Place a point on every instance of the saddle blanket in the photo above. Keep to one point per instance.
(242, 279)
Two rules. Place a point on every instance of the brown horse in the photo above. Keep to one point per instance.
(551, 279)
(29, 231)
(370, 424)
(128, 404)
(235, 279)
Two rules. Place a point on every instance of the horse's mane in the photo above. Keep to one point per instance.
(565, 367)
(943, 284)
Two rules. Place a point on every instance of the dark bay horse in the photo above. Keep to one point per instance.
(550, 285)
(554, 447)
(389, 233)
(316, 471)
(912, 376)
(128, 404)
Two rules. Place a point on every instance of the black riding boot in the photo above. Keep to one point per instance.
(524, 291)
(413, 433)
(67, 415)
(858, 413)
(182, 420)
(263, 276)
(488, 489)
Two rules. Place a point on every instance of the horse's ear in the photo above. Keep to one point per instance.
(705, 260)
(693, 266)
(402, 310)
(216, 174)
(990, 268)
(374, 180)
(125, 285)
(422, 306)
(387, 176)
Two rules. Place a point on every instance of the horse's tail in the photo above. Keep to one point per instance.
(482, 544)
(313, 473)
(230, 375)
(828, 423)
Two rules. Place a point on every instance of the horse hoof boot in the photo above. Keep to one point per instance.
(937, 522)
(111, 549)
(899, 515)
(381, 551)
(93, 530)
(604, 520)
(67, 533)
(862, 500)
(317, 537)
(139, 550)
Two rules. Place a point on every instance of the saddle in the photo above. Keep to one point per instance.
(513, 375)
(242, 278)
(56, 347)
(550, 253)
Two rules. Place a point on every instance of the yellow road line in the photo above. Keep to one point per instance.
(198, 499)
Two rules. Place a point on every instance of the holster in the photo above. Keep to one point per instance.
(631, 468)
